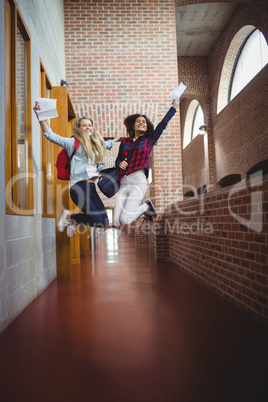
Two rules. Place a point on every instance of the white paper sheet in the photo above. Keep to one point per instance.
(48, 108)
(177, 92)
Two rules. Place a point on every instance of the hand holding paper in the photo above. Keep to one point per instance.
(48, 108)
(177, 92)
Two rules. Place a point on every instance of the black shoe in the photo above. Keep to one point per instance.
(151, 214)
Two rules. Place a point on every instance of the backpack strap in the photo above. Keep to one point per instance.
(76, 146)
(131, 152)
(76, 143)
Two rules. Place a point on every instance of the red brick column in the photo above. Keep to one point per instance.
(194, 72)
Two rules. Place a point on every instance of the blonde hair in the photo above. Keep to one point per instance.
(94, 145)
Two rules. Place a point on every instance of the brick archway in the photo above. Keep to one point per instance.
(228, 65)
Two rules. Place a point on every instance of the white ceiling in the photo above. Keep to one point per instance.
(199, 26)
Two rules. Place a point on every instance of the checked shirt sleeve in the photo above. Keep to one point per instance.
(120, 157)
(162, 125)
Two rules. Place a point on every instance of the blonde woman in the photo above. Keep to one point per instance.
(83, 173)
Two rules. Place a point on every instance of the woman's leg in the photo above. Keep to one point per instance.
(127, 204)
(85, 196)
(120, 200)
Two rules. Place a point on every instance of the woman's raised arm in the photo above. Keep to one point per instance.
(43, 124)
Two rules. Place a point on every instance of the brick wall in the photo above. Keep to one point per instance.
(236, 137)
(121, 58)
(195, 174)
(240, 129)
(193, 71)
(259, 3)
(221, 239)
(243, 16)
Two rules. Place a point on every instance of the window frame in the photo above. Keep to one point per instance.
(190, 116)
(47, 153)
(238, 55)
(193, 135)
(14, 21)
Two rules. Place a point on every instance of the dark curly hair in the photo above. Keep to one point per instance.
(130, 121)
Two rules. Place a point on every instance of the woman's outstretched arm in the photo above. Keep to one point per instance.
(43, 124)
(164, 122)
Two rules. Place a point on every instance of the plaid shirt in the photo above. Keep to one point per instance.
(140, 158)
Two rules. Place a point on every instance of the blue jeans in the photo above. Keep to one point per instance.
(85, 196)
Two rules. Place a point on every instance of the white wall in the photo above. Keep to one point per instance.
(3, 313)
(27, 244)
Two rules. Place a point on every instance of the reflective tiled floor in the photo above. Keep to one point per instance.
(124, 328)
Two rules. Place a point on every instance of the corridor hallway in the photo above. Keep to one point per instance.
(125, 328)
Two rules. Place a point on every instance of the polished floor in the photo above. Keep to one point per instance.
(124, 328)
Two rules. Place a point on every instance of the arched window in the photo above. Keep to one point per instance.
(189, 194)
(194, 120)
(198, 121)
(228, 73)
(229, 180)
(252, 57)
(261, 166)
(202, 190)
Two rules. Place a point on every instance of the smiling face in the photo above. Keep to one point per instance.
(140, 125)
(86, 126)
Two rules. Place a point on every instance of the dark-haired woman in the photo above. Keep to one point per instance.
(83, 173)
(133, 176)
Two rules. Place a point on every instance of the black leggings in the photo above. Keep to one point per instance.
(85, 196)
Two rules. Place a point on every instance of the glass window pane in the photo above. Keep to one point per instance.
(253, 57)
(189, 122)
(264, 50)
(21, 74)
(48, 182)
(47, 158)
(250, 57)
(198, 121)
(237, 83)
